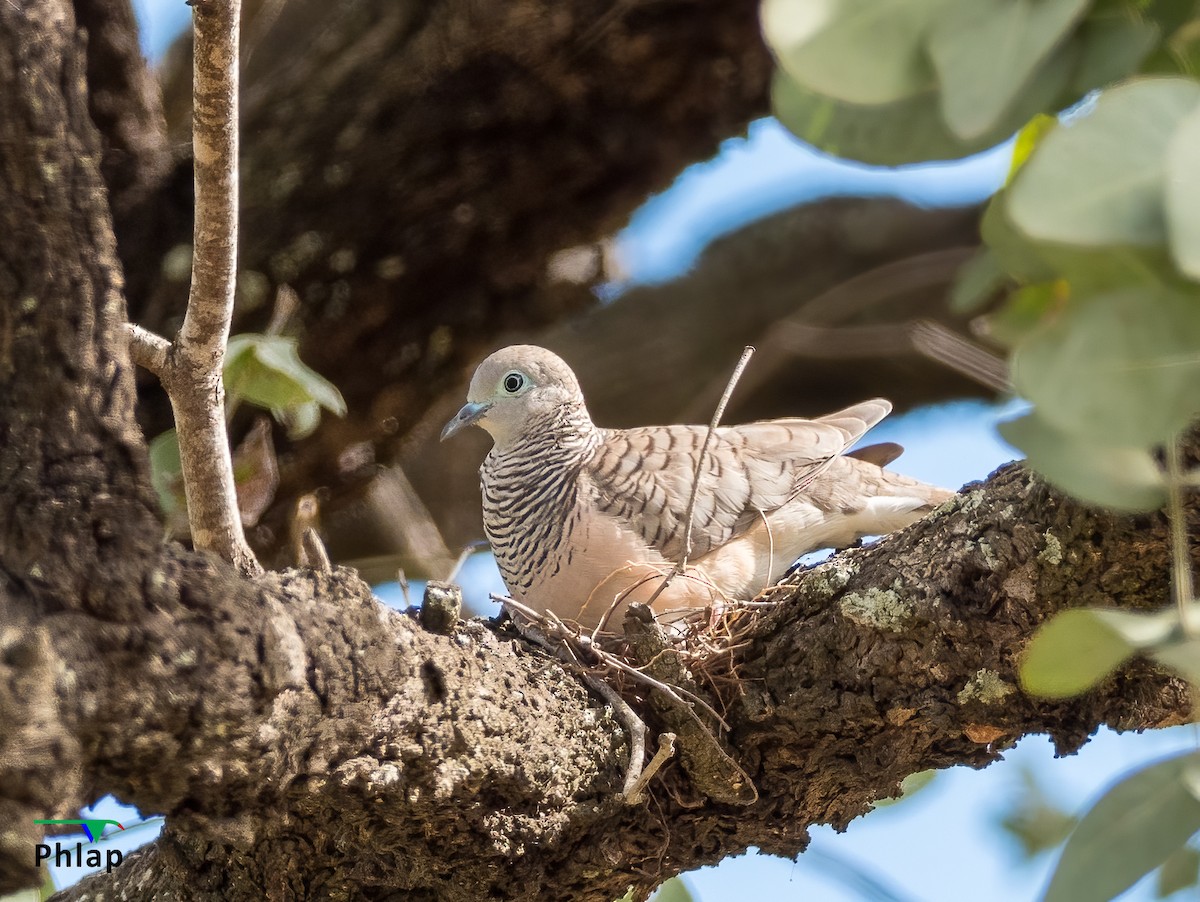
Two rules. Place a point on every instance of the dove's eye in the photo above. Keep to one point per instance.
(513, 383)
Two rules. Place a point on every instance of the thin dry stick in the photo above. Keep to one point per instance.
(689, 517)
(1181, 559)
(712, 428)
(190, 367)
(666, 748)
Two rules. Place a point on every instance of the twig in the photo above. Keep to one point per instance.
(1181, 561)
(632, 723)
(467, 551)
(712, 428)
(190, 367)
(689, 517)
(666, 748)
(315, 555)
(148, 350)
(671, 692)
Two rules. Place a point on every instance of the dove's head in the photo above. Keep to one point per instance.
(515, 389)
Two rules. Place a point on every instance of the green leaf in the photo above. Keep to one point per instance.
(1028, 138)
(1121, 478)
(1115, 41)
(977, 281)
(1034, 821)
(1178, 872)
(1135, 827)
(909, 787)
(1121, 368)
(166, 471)
(986, 51)
(1182, 194)
(1017, 255)
(1076, 649)
(859, 51)
(906, 131)
(1098, 178)
(1024, 311)
(674, 890)
(266, 370)
(888, 135)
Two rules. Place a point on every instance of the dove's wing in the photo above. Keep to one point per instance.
(644, 476)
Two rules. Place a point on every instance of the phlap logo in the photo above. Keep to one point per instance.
(76, 856)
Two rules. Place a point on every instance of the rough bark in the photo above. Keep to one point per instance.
(396, 763)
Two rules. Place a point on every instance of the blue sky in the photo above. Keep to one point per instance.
(943, 845)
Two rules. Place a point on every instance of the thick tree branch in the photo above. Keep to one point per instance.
(480, 766)
(76, 512)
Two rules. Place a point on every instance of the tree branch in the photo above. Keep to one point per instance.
(148, 350)
(190, 368)
(479, 764)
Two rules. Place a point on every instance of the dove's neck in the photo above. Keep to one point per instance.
(564, 434)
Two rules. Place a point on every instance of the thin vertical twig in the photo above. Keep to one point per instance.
(712, 428)
(690, 516)
(190, 368)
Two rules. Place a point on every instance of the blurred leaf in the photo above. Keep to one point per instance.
(909, 787)
(1088, 269)
(986, 51)
(1121, 478)
(1028, 138)
(1092, 270)
(859, 51)
(976, 282)
(1034, 821)
(1182, 657)
(1122, 368)
(887, 135)
(1098, 179)
(1025, 310)
(266, 370)
(1178, 872)
(166, 472)
(1135, 827)
(301, 420)
(1076, 649)
(905, 131)
(1015, 252)
(255, 472)
(674, 890)
(1179, 51)
(1182, 194)
(1115, 41)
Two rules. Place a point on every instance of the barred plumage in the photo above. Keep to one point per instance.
(581, 518)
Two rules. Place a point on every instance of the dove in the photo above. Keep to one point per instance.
(583, 519)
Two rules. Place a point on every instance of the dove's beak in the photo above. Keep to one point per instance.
(470, 414)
